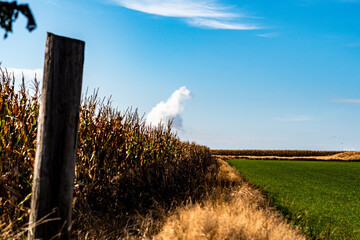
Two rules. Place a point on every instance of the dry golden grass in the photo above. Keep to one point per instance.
(344, 156)
(8, 233)
(280, 153)
(234, 211)
(242, 213)
(128, 177)
(227, 173)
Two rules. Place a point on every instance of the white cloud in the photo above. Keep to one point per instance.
(177, 8)
(29, 74)
(171, 109)
(353, 101)
(296, 119)
(200, 13)
(209, 23)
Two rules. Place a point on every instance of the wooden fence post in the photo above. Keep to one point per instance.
(57, 138)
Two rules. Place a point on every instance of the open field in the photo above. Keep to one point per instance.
(322, 198)
(287, 155)
(278, 153)
(132, 181)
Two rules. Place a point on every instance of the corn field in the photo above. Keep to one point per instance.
(124, 168)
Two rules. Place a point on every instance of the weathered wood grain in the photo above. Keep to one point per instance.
(57, 137)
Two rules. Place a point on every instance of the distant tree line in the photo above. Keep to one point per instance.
(9, 12)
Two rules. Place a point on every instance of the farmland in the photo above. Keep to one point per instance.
(125, 170)
(278, 153)
(131, 180)
(322, 198)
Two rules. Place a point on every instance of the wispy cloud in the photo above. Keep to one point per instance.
(353, 101)
(199, 13)
(216, 24)
(296, 119)
(170, 110)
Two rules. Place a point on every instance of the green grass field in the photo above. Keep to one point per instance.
(322, 198)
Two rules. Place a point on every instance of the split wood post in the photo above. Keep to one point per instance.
(54, 170)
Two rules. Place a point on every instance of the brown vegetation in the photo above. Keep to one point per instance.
(343, 156)
(278, 153)
(287, 155)
(129, 178)
(125, 170)
(242, 213)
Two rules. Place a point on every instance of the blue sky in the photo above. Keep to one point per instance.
(257, 74)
